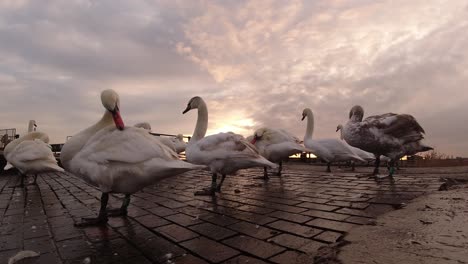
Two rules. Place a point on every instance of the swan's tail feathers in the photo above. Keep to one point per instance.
(8, 166)
(270, 164)
(357, 158)
(56, 167)
(174, 167)
(426, 148)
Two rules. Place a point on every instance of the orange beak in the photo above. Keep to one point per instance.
(118, 120)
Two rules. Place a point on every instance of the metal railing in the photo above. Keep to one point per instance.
(6, 136)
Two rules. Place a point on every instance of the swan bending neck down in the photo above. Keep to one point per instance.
(224, 153)
(276, 145)
(118, 159)
(329, 149)
(392, 135)
(30, 154)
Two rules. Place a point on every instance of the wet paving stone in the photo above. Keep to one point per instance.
(252, 230)
(252, 221)
(213, 231)
(254, 246)
(209, 249)
(293, 257)
(176, 233)
(244, 260)
(294, 228)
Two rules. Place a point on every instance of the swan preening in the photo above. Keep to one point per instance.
(330, 149)
(391, 135)
(30, 154)
(276, 145)
(179, 143)
(223, 153)
(118, 159)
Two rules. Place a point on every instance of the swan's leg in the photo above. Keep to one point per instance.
(35, 180)
(101, 219)
(328, 167)
(265, 173)
(218, 188)
(122, 211)
(353, 166)
(392, 168)
(210, 190)
(377, 165)
(280, 168)
(21, 185)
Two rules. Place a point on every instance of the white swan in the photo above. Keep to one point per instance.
(30, 154)
(179, 143)
(118, 159)
(392, 135)
(224, 153)
(330, 149)
(276, 145)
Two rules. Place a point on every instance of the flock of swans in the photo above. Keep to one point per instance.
(120, 159)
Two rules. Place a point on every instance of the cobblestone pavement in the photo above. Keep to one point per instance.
(283, 220)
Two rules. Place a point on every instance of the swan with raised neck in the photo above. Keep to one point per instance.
(310, 123)
(202, 118)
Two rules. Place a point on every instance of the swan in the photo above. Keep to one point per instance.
(179, 143)
(30, 154)
(276, 145)
(118, 159)
(329, 149)
(223, 153)
(392, 135)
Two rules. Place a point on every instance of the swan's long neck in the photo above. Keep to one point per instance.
(31, 125)
(202, 123)
(310, 126)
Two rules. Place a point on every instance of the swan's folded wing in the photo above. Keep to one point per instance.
(336, 146)
(132, 145)
(402, 126)
(318, 149)
(31, 150)
(229, 144)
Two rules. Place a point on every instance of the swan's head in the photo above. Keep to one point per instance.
(356, 113)
(110, 100)
(259, 134)
(193, 104)
(306, 112)
(339, 127)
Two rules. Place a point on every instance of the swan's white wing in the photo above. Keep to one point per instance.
(31, 150)
(126, 161)
(319, 150)
(33, 156)
(339, 149)
(132, 145)
(225, 152)
(289, 136)
(228, 142)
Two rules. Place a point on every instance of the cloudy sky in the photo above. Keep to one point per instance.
(255, 63)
